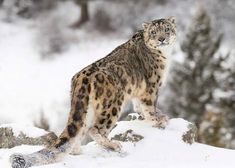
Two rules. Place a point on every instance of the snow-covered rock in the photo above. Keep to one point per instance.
(158, 148)
(12, 135)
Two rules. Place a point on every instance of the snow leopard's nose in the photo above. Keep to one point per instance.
(161, 39)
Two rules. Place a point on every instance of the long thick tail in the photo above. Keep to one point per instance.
(45, 156)
(72, 133)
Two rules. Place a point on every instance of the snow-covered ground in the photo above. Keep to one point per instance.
(30, 85)
(158, 148)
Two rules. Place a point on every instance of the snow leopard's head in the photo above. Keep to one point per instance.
(159, 33)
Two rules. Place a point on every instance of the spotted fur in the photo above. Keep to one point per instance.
(99, 92)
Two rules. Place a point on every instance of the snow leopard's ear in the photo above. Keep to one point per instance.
(145, 25)
(172, 19)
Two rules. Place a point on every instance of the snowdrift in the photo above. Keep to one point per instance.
(143, 147)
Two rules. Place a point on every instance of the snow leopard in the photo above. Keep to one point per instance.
(134, 72)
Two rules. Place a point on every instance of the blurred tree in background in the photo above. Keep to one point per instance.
(213, 130)
(227, 100)
(201, 78)
(26, 8)
(195, 80)
(84, 14)
(1, 1)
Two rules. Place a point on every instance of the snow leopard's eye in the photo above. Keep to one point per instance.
(153, 32)
(167, 29)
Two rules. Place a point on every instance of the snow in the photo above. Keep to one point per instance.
(30, 85)
(159, 148)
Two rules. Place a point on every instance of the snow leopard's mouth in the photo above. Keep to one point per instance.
(163, 44)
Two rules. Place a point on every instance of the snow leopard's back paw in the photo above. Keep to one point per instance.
(18, 161)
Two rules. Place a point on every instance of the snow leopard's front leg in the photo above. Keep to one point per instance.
(150, 112)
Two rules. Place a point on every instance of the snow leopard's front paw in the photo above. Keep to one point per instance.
(76, 150)
(161, 121)
(18, 161)
(112, 145)
(116, 146)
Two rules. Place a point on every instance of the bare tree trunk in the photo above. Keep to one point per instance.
(84, 13)
(1, 2)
